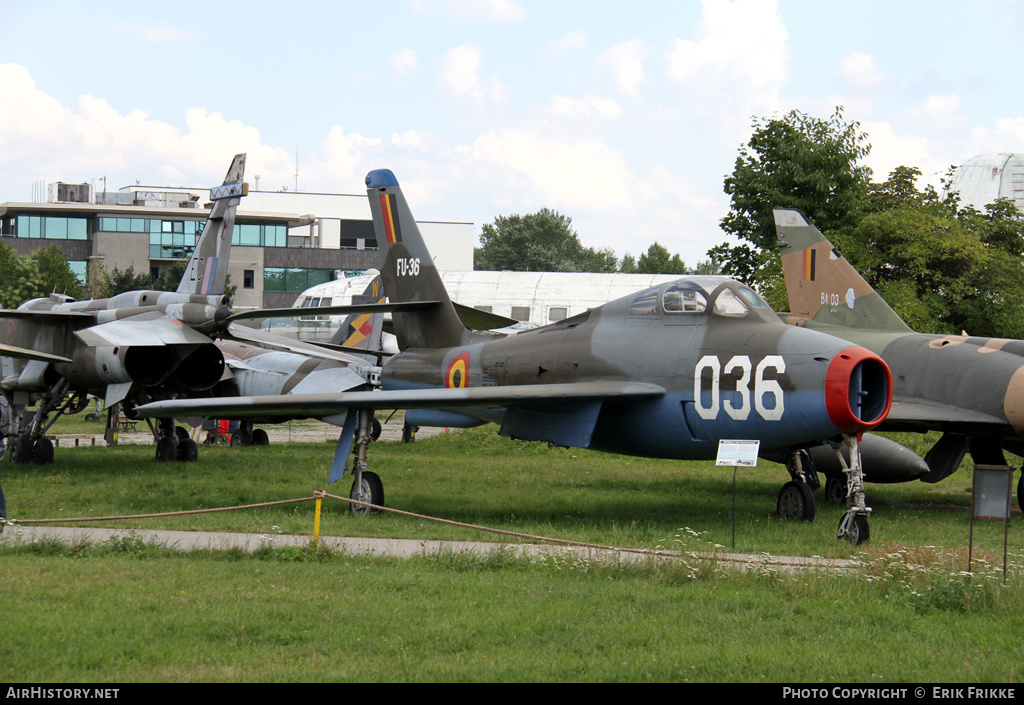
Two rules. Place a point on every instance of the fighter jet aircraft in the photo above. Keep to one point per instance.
(969, 388)
(666, 372)
(131, 348)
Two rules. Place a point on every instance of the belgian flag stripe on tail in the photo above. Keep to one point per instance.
(809, 264)
(388, 208)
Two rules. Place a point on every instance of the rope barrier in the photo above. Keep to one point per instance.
(320, 494)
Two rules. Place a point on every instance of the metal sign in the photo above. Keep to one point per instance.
(737, 453)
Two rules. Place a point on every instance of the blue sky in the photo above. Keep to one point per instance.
(624, 116)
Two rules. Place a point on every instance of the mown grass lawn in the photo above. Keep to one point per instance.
(131, 612)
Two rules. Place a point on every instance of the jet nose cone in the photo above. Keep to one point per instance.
(858, 390)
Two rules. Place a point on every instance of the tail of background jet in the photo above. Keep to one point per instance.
(208, 267)
(823, 287)
(408, 271)
(363, 331)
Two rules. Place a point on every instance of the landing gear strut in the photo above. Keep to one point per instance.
(29, 441)
(173, 443)
(796, 499)
(367, 486)
(853, 527)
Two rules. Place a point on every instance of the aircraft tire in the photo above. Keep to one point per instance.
(835, 489)
(371, 491)
(21, 450)
(188, 451)
(859, 532)
(166, 449)
(43, 454)
(375, 429)
(1020, 492)
(240, 438)
(181, 433)
(260, 437)
(796, 501)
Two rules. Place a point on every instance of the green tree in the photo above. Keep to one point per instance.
(122, 280)
(56, 273)
(627, 264)
(538, 242)
(941, 268)
(658, 261)
(793, 161)
(44, 272)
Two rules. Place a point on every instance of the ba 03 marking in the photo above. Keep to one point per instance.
(740, 366)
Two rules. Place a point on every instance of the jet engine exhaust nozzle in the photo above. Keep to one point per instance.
(858, 390)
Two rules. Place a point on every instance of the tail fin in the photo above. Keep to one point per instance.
(208, 267)
(363, 331)
(822, 286)
(408, 271)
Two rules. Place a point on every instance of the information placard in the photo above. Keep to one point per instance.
(737, 453)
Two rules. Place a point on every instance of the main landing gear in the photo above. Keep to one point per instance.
(796, 499)
(367, 486)
(29, 442)
(173, 443)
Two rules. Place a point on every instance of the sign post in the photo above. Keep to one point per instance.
(736, 453)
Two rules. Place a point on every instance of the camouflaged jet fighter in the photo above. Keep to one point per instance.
(970, 389)
(666, 373)
(133, 347)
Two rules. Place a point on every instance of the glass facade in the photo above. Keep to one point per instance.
(294, 280)
(175, 239)
(53, 227)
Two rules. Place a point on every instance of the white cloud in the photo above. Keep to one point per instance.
(460, 75)
(584, 109)
(341, 159)
(403, 62)
(479, 10)
(625, 61)
(859, 70)
(573, 41)
(562, 174)
(740, 58)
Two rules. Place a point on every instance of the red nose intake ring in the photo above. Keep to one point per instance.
(858, 390)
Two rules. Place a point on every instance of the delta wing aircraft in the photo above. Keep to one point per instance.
(971, 389)
(666, 372)
(133, 347)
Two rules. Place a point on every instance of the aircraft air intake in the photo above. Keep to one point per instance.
(858, 390)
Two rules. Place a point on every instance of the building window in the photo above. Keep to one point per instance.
(294, 280)
(248, 279)
(557, 313)
(260, 235)
(521, 313)
(53, 227)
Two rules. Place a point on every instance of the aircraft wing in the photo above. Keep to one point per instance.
(270, 340)
(475, 319)
(25, 354)
(320, 405)
(331, 310)
(917, 414)
(139, 330)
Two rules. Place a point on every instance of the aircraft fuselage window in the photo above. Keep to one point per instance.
(731, 305)
(684, 297)
(557, 313)
(645, 302)
(521, 313)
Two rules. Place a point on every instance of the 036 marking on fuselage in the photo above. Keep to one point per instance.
(762, 388)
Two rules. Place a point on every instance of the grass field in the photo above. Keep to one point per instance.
(128, 611)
